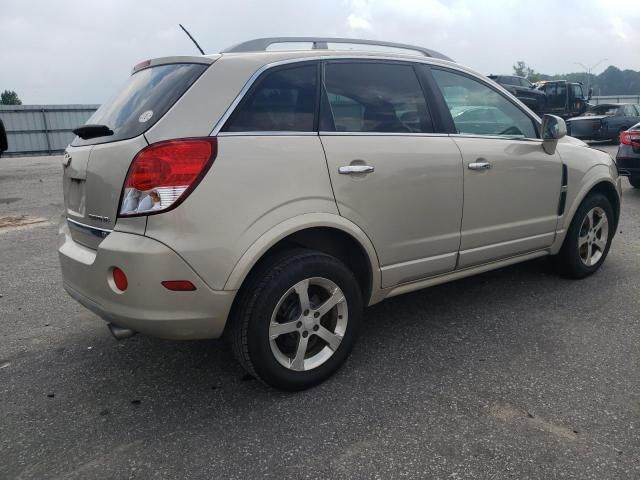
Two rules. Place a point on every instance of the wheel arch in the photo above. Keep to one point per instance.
(327, 233)
(600, 184)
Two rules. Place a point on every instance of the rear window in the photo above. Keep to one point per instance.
(604, 110)
(142, 101)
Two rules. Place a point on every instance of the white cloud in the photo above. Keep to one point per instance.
(358, 23)
(79, 51)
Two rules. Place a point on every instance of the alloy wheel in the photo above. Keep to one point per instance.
(308, 324)
(593, 236)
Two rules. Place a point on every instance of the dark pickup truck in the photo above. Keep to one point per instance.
(523, 90)
(564, 99)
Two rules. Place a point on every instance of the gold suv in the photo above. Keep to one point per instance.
(270, 195)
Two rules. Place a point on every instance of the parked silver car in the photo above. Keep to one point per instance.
(268, 196)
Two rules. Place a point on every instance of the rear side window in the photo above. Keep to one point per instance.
(374, 97)
(284, 100)
(142, 101)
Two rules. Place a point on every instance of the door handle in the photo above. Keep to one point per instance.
(479, 166)
(349, 169)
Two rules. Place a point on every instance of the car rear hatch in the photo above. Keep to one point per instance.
(585, 127)
(97, 161)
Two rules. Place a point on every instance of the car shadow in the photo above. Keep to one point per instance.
(440, 325)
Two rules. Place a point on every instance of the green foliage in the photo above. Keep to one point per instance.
(9, 97)
(612, 81)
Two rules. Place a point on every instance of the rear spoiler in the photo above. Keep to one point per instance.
(206, 60)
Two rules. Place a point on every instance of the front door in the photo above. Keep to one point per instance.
(391, 175)
(511, 186)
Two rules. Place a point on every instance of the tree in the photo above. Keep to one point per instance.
(521, 69)
(9, 97)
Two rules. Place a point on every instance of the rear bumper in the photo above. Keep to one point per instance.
(627, 161)
(145, 306)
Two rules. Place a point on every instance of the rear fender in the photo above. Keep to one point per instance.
(302, 222)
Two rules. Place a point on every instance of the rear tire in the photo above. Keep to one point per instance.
(589, 238)
(296, 319)
(634, 180)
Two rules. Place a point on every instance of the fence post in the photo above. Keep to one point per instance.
(46, 130)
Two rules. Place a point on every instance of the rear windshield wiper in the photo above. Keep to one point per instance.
(86, 132)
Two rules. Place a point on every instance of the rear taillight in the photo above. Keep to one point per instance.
(162, 175)
(630, 138)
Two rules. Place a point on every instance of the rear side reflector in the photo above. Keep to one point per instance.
(179, 285)
(163, 174)
(120, 279)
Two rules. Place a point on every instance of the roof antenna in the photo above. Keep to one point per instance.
(192, 39)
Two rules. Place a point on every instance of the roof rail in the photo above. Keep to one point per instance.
(320, 43)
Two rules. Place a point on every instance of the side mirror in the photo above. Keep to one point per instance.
(553, 129)
(4, 143)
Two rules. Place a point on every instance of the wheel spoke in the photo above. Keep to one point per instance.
(601, 223)
(335, 298)
(302, 289)
(590, 219)
(277, 329)
(298, 361)
(601, 243)
(582, 241)
(331, 338)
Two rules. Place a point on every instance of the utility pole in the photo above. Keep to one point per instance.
(589, 70)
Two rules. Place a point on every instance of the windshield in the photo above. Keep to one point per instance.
(604, 110)
(142, 101)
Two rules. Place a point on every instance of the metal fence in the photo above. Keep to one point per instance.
(42, 129)
(615, 99)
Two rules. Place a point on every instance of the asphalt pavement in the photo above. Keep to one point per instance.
(515, 373)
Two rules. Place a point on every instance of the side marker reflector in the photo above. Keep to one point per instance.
(179, 285)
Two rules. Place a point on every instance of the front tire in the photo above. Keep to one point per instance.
(634, 180)
(297, 319)
(589, 238)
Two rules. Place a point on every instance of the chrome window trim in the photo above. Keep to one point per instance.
(249, 83)
(275, 133)
(95, 231)
(497, 137)
(382, 134)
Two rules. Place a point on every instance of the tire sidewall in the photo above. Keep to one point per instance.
(265, 364)
(570, 246)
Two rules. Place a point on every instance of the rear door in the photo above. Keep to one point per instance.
(95, 168)
(511, 186)
(395, 178)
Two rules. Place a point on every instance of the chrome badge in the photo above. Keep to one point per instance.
(99, 218)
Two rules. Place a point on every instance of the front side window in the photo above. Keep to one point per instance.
(283, 101)
(374, 97)
(577, 91)
(479, 110)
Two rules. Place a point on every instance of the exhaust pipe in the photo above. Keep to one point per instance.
(120, 333)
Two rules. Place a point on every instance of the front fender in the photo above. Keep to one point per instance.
(577, 192)
(295, 224)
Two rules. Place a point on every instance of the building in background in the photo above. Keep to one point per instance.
(42, 129)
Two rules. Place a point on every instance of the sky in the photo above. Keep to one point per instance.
(80, 51)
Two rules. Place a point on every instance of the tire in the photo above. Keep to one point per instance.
(634, 180)
(586, 245)
(270, 298)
